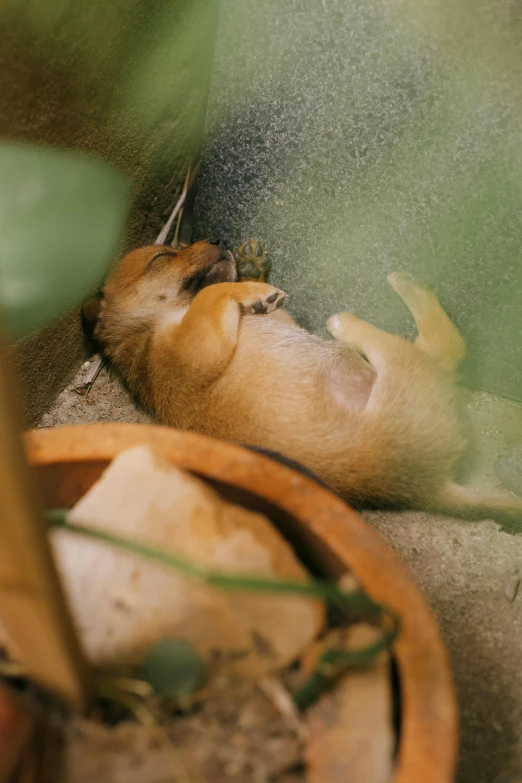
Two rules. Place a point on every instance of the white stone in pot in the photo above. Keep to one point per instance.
(122, 604)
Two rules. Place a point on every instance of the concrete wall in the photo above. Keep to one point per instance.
(125, 80)
(356, 138)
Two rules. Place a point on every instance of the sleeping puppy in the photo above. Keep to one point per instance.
(370, 413)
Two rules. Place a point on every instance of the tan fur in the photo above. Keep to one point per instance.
(373, 415)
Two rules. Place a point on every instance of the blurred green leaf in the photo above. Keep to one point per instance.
(173, 668)
(164, 82)
(61, 221)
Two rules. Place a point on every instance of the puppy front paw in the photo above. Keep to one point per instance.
(252, 261)
(261, 298)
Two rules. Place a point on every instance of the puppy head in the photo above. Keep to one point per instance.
(157, 283)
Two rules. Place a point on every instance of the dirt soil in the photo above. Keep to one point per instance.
(108, 400)
(239, 737)
(469, 573)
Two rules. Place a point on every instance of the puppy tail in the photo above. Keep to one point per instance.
(461, 502)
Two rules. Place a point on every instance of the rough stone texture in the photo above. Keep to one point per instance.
(468, 572)
(43, 362)
(126, 81)
(471, 573)
(356, 138)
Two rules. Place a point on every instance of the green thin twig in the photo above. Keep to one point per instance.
(334, 662)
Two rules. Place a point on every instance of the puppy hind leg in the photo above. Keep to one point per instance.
(438, 335)
(462, 502)
(379, 347)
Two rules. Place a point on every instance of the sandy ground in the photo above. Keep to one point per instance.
(468, 572)
(108, 400)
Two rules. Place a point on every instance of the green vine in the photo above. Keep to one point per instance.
(332, 663)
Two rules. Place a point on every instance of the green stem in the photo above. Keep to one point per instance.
(327, 591)
(331, 664)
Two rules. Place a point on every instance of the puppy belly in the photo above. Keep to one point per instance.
(349, 383)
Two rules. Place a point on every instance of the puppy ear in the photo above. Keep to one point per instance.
(90, 314)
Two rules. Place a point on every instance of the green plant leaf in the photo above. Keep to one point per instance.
(61, 221)
(173, 668)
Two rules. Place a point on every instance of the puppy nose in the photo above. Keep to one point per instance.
(216, 241)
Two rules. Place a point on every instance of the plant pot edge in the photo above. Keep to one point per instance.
(428, 746)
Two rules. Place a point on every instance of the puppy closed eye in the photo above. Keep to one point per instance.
(160, 261)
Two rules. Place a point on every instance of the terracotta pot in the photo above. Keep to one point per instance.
(327, 535)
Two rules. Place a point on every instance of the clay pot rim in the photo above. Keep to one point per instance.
(428, 746)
